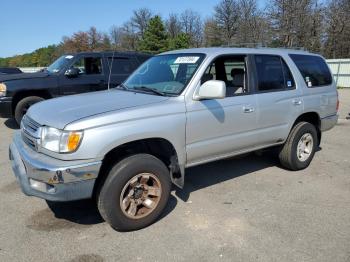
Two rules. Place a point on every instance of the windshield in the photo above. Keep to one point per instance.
(59, 64)
(167, 74)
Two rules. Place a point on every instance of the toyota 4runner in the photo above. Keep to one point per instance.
(126, 146)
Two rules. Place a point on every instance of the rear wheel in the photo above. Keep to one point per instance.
(299, 149)
(135, 192)
(23, 106)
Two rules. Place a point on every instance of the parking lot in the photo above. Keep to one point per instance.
(241, 209)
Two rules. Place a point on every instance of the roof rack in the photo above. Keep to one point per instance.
(248, 45)
(262, 45)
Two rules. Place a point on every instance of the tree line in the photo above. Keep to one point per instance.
(315, 25)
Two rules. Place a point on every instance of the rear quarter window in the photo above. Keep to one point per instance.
(314, 70)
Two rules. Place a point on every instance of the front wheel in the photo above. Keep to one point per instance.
(23, 106)
(135, 192)
(300, 147)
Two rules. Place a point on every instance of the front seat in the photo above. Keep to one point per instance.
(237, 83)
(95, 69)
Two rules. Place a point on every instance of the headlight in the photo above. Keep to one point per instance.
(2, 89)
(60, 141)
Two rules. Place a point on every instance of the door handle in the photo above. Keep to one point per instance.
(297, 102)
(248, 109)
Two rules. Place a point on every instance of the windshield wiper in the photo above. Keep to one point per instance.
(122, 86)
(150, 90)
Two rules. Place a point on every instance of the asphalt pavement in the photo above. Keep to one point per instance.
(239, 209)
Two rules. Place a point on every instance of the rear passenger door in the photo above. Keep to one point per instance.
(320, 94)
(278, 98)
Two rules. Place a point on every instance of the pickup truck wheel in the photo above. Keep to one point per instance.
(135, 192)
(23, 106)
(300, 147)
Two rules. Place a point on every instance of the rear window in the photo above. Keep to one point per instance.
(143, 58)
(313, 69)
(121, 65)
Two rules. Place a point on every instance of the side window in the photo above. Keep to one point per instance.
(273, 73)
(288, 77)
(121, 65)
(230, 69)
(313, 69)
(89, 65)
(210, 73)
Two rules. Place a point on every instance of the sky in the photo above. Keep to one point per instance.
(28, 25)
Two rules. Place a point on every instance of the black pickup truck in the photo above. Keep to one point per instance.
(69, 74)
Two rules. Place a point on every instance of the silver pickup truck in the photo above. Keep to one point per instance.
(126, 146)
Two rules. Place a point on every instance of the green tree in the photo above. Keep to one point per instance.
(155, 38)
(40, 57)
(181, 41)
(3, 62)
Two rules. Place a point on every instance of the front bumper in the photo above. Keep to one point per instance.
(5, 107)
(51, 179)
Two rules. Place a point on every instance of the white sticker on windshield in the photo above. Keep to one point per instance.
(186, 60)
(69, 56)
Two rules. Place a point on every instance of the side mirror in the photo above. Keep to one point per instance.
(72, 72)
(212, 89)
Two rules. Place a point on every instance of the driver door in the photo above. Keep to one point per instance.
(220, 127)
(91, 76)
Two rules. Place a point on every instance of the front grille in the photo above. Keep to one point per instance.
(31, 142)
(30, 125)
(30, 132)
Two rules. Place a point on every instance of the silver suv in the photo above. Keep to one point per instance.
(126, 146)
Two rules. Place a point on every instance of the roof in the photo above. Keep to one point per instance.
(107, 53)
(229, 50)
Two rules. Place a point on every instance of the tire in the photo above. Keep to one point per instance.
(290, 156)
(23, 105)
(117, 188)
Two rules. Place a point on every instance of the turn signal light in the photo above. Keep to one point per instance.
(73, 141)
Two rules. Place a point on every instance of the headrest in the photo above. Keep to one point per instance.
(237, 77)
(237, 71)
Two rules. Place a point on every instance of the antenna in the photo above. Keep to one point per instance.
(110, 70)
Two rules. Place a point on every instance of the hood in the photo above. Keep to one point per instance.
(9, 77)
(61, 111)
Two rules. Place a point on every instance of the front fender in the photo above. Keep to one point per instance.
(98, 141)
(48, 84)
(102, 140)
